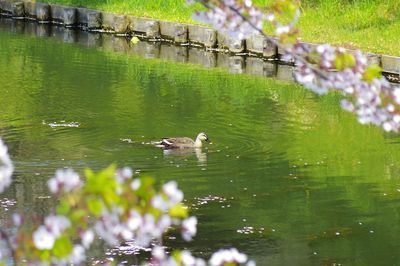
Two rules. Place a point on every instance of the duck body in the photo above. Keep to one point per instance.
(183, 142)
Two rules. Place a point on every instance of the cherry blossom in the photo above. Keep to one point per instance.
(65, 180)
(87, 238)
(189, 228)
(226, 256)
(220, 258)
(43, 239)
(6, 167)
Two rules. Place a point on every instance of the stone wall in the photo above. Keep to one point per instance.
(158, 30)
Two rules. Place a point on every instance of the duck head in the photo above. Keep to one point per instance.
(203, 136)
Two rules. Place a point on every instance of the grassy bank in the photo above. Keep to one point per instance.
(370, 25)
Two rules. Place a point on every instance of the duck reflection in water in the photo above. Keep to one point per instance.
(200, 155)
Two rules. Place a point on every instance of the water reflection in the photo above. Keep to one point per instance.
(181, 54)
(187, 153)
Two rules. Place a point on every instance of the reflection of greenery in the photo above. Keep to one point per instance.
(261, 129)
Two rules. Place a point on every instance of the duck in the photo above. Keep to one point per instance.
(182, 142)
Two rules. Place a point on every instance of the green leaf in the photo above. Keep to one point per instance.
(146, 190)
(44, 255)
(77, 215)
(95, 206)
(372, 72)
(98, 183)
(177, 255)
(63, 208)
(343, 61)
(62, 247)
(179, 210)
(135, 40)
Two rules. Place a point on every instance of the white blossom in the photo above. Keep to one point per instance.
(43, 239)
(238, 21)
(135, 185)
(56, 224)
(6, 167)
(227, 256)
(174, 194)
(87, 238)
(78, 254)
(65, 180)
(189, 228)
(134, 220)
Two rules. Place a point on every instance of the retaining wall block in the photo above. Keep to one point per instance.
(207, 59)
(374, 59)
(174, 31)
(81, 13)
(174, 53)
(2, 3)
(15, 9)
(391, 64)
(202, 35)
(70, 17)
(116, 23)
(43, 13)
(181, 33)
(18, 9)
(146, 49)
(56, 13)
(5, 6)
(150, 28)
(89, 18)
(30, 9)
(94, 20)
(270, 49)
(260, 45)
(280, 50)
(255, 44)
(233, 45)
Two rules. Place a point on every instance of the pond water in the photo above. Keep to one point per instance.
(289, 178)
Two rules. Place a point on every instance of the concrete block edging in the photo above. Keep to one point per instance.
(158, 30)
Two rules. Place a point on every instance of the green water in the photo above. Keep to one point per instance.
(316, 187)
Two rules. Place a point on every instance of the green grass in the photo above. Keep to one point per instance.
(370, 25)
